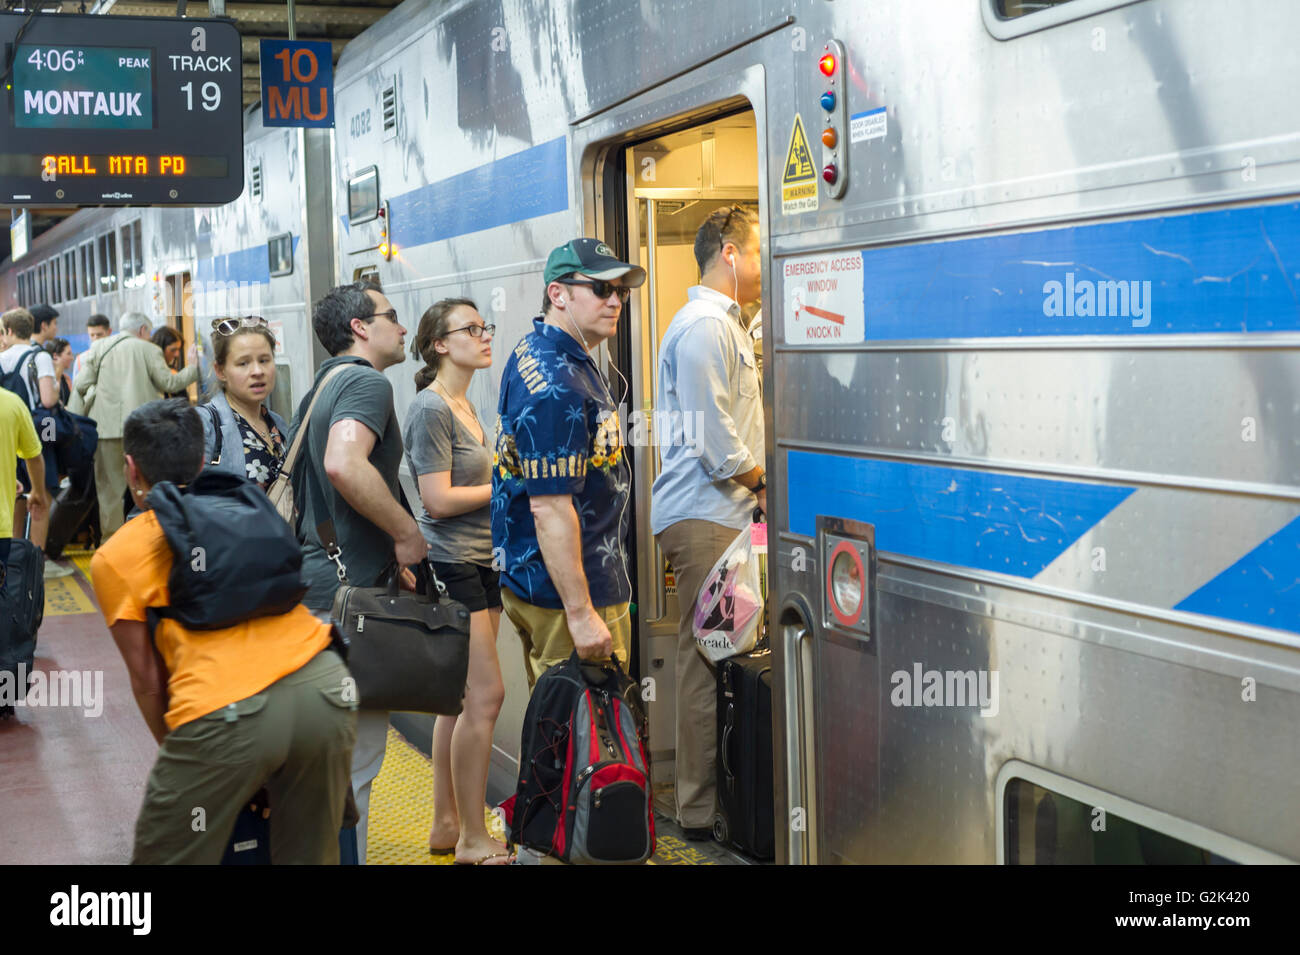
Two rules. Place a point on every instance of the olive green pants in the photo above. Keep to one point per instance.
(295, 738)
(546, 638)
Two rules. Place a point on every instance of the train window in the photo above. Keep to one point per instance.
(137, 250)
(108, 262)
(1010, 9)
(363, 196)
(70, 275)
(56, 281)
(1047, 828)
(42, 284)
(1011, 18)
(279, 252)
(367, 273)
(87, 268)
(128, 272)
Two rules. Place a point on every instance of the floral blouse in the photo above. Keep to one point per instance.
(262, 464)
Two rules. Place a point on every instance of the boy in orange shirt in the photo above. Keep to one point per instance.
(261, 703)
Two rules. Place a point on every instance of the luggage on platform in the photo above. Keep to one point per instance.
(22, 607)
(75, 507)
(745, 793)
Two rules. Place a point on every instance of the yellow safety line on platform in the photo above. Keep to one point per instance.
(64, 596)
(401, 809)
(81, 558)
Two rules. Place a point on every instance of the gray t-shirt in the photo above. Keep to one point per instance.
(364, 395)
(436, 440)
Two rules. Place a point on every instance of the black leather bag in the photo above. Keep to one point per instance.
(405, 651)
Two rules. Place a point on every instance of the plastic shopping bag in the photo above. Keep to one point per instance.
(729, 606)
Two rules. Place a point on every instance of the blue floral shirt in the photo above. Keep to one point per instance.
(558, 432)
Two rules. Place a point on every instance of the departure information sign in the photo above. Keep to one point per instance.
(104, 110)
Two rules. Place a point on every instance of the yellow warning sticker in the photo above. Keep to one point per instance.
(799, 181)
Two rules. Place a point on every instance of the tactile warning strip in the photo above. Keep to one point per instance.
(401, 809)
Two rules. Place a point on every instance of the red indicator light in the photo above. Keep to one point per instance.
(830, 137)
(830, 173)
(827, 64)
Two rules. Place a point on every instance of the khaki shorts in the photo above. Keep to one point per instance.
(545, 633)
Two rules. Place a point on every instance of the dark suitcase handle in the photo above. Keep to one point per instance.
(727, 730)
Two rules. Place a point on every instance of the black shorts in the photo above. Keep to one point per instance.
(471, 584)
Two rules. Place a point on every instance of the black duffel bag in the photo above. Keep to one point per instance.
(406, 651)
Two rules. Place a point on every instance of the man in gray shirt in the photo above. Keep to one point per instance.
(350, 462)
(708, 389)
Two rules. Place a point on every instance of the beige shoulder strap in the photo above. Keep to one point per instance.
(291, 457)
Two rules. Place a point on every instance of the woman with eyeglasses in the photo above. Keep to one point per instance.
(446, 447)
(240, 433)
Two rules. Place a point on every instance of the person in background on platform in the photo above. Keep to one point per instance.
(123, 372)
(61, 352)
(97, 327)
(252, 435)
(28, 371)
(707, 488)
(560, 493)
(446, 447)
(169, 340)
(351, 455)
(46, 323)
(260, 703)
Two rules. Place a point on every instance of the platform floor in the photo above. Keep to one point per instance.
(71, 782)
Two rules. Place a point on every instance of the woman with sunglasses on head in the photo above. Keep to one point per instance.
(240, 433)
(446, 447)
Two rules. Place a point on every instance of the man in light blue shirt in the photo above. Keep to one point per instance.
(709, 419)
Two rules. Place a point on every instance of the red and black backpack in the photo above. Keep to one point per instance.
(584, 792)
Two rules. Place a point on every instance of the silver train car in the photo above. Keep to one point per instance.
(1030, 377)
(1030, 373)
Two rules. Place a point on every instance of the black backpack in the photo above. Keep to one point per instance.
(234, 557)
(584, 793)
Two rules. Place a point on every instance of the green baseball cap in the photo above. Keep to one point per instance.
(593, 258)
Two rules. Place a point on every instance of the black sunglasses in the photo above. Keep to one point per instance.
(601, 288)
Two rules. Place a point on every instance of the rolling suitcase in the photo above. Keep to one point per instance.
(745, 792)
(22, 607)
(72, 510)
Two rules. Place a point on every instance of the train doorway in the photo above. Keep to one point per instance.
(659, 191)
(180, 317)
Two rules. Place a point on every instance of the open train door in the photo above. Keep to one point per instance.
(180, 316)
(657, 184)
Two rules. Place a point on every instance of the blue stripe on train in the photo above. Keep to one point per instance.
(528, 184)
(981, 519)
(1263, 587)
(1234, 270)
(251, 265)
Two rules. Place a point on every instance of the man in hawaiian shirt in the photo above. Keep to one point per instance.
(561, 481)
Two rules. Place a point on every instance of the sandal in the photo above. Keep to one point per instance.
(495, 855)
(442, 853)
